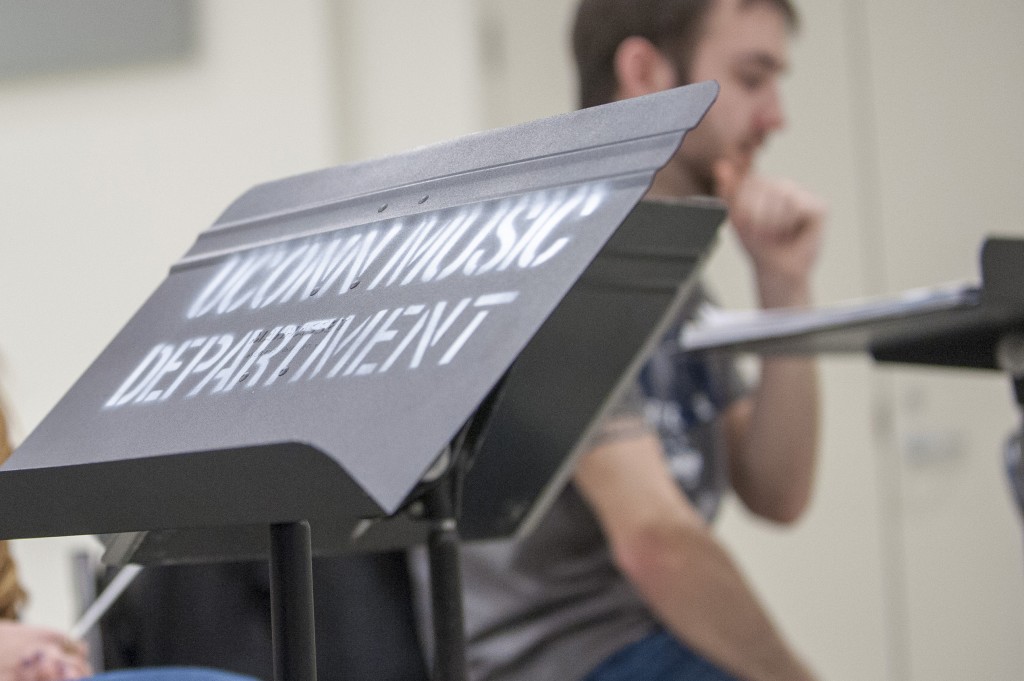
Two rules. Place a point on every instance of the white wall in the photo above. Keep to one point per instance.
(107, 177)
(947, 107)
(409, 73)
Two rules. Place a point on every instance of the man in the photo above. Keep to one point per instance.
(623, 578)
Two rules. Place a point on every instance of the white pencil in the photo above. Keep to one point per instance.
(103, 602)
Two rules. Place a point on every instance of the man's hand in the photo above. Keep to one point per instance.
(779, 224)
(773, 438)
(29, 653)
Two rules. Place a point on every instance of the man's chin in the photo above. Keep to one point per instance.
(706, 186)
(743, 160)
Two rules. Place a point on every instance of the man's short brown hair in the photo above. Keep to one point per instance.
(673, 26)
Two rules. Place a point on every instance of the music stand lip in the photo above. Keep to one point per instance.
(238, 487)
(609, 141)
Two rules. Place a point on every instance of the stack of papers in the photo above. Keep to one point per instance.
(844, 327)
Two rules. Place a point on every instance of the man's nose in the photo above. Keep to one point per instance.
(771, 114)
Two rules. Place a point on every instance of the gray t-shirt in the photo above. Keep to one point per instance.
(552, 606)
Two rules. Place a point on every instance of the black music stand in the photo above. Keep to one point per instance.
(958, 326)
(325, 358)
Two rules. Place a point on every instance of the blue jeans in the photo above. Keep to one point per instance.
(169, 674)
(658, 657)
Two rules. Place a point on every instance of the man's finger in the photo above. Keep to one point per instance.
(727, 179)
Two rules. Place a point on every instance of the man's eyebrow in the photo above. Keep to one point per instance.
(764, 60)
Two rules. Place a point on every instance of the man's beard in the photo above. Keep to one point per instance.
(702, 176)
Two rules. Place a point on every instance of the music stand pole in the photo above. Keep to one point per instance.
(1014, 452)
(1009, 352)
(446, 580)
(291, 602)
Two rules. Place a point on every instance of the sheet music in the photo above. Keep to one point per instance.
(723, 328)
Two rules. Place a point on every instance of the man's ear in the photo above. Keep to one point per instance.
(641, 68)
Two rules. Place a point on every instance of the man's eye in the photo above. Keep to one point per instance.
(752, 81)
